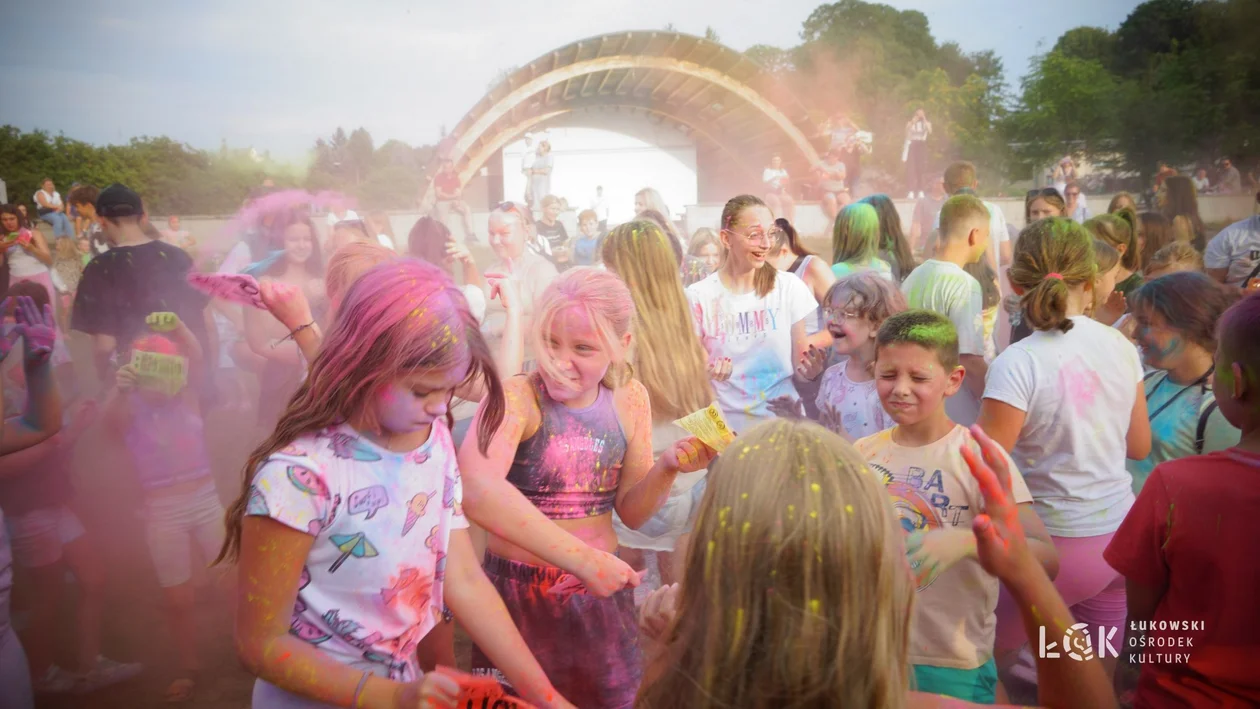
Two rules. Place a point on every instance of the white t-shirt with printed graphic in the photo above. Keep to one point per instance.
(1077, 390)
(945, 288)
(756, 334)
(372, 584)
(850, 408)
(932, 488)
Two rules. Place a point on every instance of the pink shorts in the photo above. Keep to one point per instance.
(1092, 590)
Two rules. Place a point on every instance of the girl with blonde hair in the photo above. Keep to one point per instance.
(797, 591)
(1068, 399)
(671, 364)
(575, 446)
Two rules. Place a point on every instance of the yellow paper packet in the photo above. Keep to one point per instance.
(709, 426)
(165, 373)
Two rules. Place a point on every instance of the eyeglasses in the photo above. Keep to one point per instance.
(840, 314)
(773, 236)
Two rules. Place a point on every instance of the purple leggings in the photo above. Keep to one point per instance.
(1092, 590)
(587, 646)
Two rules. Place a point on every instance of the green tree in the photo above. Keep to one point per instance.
(1088, 43)
(1068, 105)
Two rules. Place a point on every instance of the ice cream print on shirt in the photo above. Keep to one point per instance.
(381, 523)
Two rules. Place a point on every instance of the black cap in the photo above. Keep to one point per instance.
(118, 201)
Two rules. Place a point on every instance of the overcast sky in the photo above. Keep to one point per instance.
(275, 74)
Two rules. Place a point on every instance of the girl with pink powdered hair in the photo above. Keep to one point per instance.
(350, 529)
(575, 445)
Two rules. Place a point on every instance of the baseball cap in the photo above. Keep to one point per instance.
(118, 201)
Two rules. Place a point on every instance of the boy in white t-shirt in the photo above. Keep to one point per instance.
(936, 499)
(941, 285)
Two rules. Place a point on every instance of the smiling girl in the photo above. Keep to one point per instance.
(855, 307)
(576, 445)
(1176, 318)
(751, 317)
(349, 530)
(301, 266)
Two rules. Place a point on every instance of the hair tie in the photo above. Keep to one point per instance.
(1055, 276)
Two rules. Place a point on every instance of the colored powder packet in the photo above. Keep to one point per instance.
(477, 691)
(236, 288)
(158, 372)
(709, 426)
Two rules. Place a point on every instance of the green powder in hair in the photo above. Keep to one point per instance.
(938, 334)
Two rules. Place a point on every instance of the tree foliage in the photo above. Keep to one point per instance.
(174, 178)
(878, 64)
(1178, 81)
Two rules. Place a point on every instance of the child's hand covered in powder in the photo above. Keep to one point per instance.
(786, 406)
(1000, 542)
(125, 378)
(812, 364)
(720, 369)
(286, 303)
(38, 329)
(569, 585)
(658, 611)
(688, 455)
(162, 322)
(932, 553)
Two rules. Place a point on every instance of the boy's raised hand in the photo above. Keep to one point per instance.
(125, 378)
(163, 322)
(1000, 543)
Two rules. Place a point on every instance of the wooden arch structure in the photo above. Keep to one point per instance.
(738, 114)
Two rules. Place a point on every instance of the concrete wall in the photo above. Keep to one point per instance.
(212, 235)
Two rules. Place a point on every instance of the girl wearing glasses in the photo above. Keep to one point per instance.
(751, 317)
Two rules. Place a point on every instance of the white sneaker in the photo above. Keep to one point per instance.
(921, 195)
(910, 196)
(106, 673)
(56, 681)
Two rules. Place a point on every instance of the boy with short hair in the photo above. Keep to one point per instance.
(941, 285)
(584, 248)
(936, 499)
(1183, 548)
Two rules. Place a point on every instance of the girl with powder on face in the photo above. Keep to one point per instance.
(576, 445)
(299, 265)
(797, 591)
(360, 473)
(751, 317)
(1068, 403)
(671, 364)
(1176, 318)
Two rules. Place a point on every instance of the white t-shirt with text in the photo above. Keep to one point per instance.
(756, 334)
(945, 288)
(1077, 390)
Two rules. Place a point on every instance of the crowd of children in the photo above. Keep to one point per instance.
(982, 484)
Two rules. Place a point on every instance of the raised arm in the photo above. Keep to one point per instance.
(41, 418)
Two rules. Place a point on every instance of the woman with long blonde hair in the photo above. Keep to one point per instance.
(797, 591)
(672, 365)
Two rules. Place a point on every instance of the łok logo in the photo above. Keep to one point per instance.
(1077, 643)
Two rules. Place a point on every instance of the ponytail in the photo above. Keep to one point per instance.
(1051, 257)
